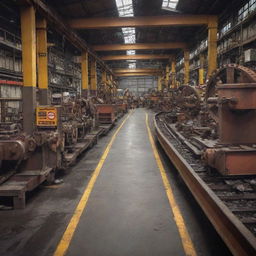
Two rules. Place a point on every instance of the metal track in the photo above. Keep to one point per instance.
(234, 233)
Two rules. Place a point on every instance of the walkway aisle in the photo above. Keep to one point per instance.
(128, 212)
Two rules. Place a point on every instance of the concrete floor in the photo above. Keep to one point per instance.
(127, 213)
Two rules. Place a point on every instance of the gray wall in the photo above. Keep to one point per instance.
(138, 85)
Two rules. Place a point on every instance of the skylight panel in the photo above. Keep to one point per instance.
(130, 52)
(129, 39)
(125, 9)
(132, 65)
(169, 4)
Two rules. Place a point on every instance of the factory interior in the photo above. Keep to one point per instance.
(128, 127)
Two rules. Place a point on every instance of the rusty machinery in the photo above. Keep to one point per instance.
(76, 117)
(221, 127)
(173, 98)
(63, 130)
(61, 133)
(231, 100)
(128, 98)
(108, 107)
(211, 141)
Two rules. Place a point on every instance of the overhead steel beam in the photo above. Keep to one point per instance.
(139, 70)
(147, 21)
(137, 57)
(146, 46)
(63, 28)
(137, 74)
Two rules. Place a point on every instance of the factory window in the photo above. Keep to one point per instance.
(226, 28)
(248, 8)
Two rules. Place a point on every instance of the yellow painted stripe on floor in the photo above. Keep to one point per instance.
(185, 237)
(68, 234)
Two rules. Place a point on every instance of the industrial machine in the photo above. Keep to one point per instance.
(220, 127)
(62, 131)
(210, 139)
(106, 113)
(233, 107)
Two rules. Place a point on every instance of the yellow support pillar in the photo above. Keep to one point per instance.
(159, 84)
(111, 89)
(201, 70)
(173, 73)
(104, 80)
(85, 75)
(186, 66)
(28, 39)
(42, 60)
(212, 45)
(104, 76)
(93, 89)
(115, 88)
(167, 76)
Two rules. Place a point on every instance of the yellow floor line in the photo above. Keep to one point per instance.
(185, 237)
(69, 232)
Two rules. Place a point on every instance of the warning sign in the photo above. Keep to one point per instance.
(46, 116)
(51, 115)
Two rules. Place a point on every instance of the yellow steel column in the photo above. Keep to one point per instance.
(28, 38)
(93, 75)
(85, 75)
(111, 88)
(104, 76)
(115, 87)
(201, 69)
(212, 45)
(186, 66)
(104, 80)
(173, 73)
(42, 60)
(167, 75)
(159, 84)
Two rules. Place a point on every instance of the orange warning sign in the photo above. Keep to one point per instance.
(46, 116)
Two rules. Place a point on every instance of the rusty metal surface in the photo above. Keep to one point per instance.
(215, 150)
(223, 74)
(55, 143)
(237, 237)
(106, 113)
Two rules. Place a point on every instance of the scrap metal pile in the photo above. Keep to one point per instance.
(170, 99)
(212, 142)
